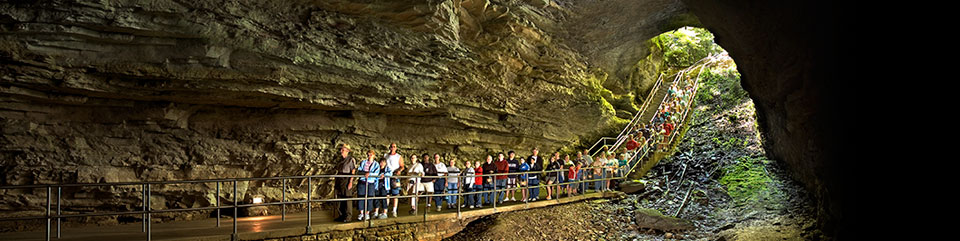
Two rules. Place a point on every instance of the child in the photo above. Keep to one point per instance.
(572, 175)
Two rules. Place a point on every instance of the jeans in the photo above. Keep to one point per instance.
(452, 189)
(582, 185)
(534, 188)
(477, 198)
(365, 189)
(488, 196)
(599, 184)
(501, 184)
(469, 198)
(438, 186)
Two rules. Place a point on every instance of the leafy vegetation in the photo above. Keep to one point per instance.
(721, 82)
(684, 46)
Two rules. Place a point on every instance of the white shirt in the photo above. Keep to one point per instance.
(441, 169)
(417, 170)
(393, 161)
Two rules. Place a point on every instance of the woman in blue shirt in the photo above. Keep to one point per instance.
(522, 178)
(367, 186)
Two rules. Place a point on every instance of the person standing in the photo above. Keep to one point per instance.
(395, 165)
(552, 174)
(370, 169)
(453, 183)
(440, 183)
(512, 167)
(598, 172)
(488, 170)
(346, 165)
(580, 162)
(536, 166)
(501, 180)
(430, 173)
(382, 189)
(587, 162)
(414, 185)
(522, 179)
(468, 180)
(478, 184)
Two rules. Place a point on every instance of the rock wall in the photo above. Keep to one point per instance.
(116, 91)
(786, 52)
(123, 90)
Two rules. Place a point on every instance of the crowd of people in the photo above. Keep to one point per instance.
(669, 114)
(497, 179)
(504, 178)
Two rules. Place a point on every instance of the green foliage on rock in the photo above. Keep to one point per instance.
(684, 46)
(746, 179)
(721, 82)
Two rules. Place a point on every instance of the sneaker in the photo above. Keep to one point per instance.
(383, 216)
(412, 211)
(438, 209)
(394, 213)
(366, 216)
(471, 206)
(513, 199)
(360, 217)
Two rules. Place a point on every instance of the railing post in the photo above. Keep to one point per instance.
(283, 199)
(235, 209)
(48, 213)
(149, 231)
(309, 197)
(59, 192)
(558, 184)
(218, 204)
(459, 197)
(526, 201)
(416, 196)
(143, 194)
(366, 202)
(495, 198)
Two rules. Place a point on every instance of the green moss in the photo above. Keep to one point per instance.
(747, 180)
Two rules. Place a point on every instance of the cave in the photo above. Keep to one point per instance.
(120, 91)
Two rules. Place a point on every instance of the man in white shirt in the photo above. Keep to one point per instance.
(395, 164)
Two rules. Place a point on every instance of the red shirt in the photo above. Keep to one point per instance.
(632, 144)
(668, 127)
(502, 167)
(479, 178)
(572, 173)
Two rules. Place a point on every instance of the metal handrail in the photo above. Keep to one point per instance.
(146, 185)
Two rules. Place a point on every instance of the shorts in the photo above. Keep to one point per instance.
(425, 186)
(522, 183)
(511, 182)
(394, 192)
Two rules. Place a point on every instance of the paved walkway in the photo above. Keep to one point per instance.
(263, 227)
